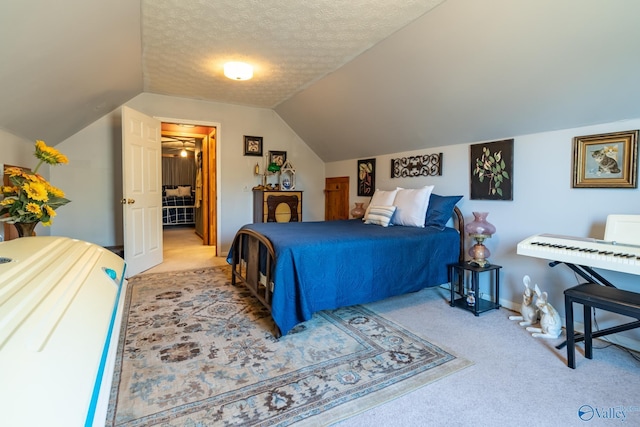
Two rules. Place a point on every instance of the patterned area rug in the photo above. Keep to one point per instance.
(196, 351)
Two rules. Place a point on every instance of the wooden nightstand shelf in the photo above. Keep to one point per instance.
(458, 275)
(277, 206)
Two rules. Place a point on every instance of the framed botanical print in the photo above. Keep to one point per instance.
(366, 177)
(492, 170)
(606, 161)
(252, 145)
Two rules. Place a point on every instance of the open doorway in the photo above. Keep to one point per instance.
(189, 181)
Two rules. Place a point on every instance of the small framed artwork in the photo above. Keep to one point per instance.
(492, 170)
(277, 157)
(606, 161)
(252, 145)
(366, 177)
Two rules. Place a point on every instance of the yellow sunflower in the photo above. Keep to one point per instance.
(49, 154)
(36, 191)
(29, 197)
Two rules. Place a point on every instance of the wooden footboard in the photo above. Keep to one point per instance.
(253, 257)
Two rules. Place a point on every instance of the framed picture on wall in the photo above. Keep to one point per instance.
(252, 145)
(492, 170)
(366, 177)
(277, 157)
(606, 161)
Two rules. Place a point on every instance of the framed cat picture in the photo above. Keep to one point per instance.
(608, 160)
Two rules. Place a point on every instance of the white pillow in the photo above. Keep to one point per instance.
(184, 190)
(412, 206)
(380, 215)
(381, 198)
(172, 192)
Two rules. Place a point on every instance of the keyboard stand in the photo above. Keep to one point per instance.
(586, 272)
(591, 276)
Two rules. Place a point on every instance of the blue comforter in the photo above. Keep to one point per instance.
(331, 264)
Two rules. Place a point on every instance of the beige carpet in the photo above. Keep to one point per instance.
(515, 379)
(183, 250)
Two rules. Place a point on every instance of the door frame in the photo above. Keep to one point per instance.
(213, 158)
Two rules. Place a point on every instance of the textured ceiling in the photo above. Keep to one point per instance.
(290, 43)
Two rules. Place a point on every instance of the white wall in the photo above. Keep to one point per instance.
(543, 202)
(92, 179)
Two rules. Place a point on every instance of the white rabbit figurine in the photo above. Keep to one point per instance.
(528, 310)
(550, 323)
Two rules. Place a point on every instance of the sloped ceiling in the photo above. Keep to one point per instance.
(66, 63)
(353, 79)
(477, 70)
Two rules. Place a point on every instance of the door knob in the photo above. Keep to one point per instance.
(131, 201)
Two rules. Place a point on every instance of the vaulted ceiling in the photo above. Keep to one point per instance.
(353, 79)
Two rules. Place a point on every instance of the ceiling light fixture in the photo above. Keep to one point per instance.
(183, 153)
(238, 70)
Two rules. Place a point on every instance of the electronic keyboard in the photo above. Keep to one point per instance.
(608, 255)
(619, 251)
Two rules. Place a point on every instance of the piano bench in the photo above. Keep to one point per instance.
(606, 298)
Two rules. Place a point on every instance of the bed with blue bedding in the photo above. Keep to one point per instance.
(296, 269)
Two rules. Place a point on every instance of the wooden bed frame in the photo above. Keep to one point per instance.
(247, 246)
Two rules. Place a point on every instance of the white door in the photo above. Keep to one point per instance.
(142, 191)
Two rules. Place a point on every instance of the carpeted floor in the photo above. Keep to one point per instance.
(197, 351)
(515, 379)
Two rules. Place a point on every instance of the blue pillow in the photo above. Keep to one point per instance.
(440, 210)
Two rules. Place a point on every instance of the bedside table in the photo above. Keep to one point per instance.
(459, 274)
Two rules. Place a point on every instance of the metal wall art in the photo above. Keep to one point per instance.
(425, 165)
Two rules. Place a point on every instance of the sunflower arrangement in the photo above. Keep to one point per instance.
(30, 197)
